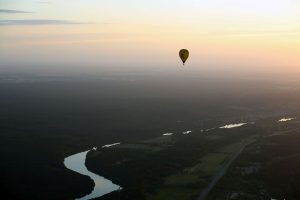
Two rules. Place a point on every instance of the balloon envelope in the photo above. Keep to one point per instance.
(184, 55)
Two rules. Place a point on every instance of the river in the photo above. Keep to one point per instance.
(102, 186)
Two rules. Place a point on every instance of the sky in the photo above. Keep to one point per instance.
(254, 35)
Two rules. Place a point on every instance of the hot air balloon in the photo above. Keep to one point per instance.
(184, 55)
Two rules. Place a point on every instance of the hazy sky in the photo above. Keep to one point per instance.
(114, 34)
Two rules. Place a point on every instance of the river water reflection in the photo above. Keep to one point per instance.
(103, 186)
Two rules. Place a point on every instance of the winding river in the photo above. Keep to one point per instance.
(102, 186)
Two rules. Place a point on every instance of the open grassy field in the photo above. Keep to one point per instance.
(268, 168)
(182, 166)
(198, 175)
(175, 193)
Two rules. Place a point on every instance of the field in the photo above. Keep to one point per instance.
(164, 166)
(173, 171)
(269, 168)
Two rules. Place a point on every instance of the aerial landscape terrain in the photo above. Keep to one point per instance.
(181, 140)
(149, 100)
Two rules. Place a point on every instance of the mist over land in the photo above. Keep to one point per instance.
(44, 118)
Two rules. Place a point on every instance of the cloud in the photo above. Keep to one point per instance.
(37, 22)
(13, 11)
(261, 32)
